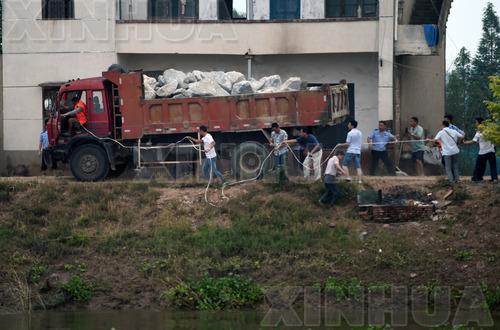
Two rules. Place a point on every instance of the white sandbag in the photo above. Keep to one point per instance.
(198, 75)
(292, 84)
(235, 77)
(207, 87)
(257, 84)
(160, 81)
(149, 87)
(190, 78)
(242, 87)
(272, 81)
(172, 74)
(168, 89)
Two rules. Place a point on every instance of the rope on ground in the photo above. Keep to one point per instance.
(259, 173)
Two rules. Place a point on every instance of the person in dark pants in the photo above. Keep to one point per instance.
(45, 151)
(486, 154)
(378, 140)
(332, 168)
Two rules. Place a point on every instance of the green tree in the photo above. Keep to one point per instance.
(491, 128)
(486, 62)
(458, 101)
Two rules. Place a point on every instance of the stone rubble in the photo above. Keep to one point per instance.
(177, 84)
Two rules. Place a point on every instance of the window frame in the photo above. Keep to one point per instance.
(69, 10)
(361, 9)
(151, 7)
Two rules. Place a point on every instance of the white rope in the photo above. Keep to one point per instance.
(171, 145)
(259, 173)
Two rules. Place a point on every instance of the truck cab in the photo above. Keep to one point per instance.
(86, 151)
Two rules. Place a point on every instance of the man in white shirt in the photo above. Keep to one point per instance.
(486, 154)
(332, 168)
(449, 138)
(353, 154)
(209, 166)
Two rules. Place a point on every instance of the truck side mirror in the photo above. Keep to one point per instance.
(47, 104)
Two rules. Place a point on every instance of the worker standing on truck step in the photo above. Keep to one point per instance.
(209, 166)
(278, 136)
(312, 151)
(78, 116)
(353, 143)
(333, 167)
(378, 140)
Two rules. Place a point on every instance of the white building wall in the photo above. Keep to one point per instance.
(38, 51)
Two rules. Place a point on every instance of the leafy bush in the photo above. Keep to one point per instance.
(212, 293)
(78, 289)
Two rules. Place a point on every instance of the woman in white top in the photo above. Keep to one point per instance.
(210, 162)
(486, 154)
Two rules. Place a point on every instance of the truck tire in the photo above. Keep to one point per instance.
(89, 163)
(248, 159)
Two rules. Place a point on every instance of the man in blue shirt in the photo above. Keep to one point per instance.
(378, 140)
(45, 151)
(278, 136)
(312, 151)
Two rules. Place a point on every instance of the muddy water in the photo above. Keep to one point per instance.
(146, 320)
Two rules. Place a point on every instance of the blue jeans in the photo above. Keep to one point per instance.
(211, 163)
(352, 157)
(280, 166)
(331, 193)
(451, 167)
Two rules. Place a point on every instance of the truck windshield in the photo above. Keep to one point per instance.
(66, 98)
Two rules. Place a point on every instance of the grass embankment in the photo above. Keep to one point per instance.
(138, 245)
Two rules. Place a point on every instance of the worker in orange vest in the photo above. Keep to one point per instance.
(78, 116)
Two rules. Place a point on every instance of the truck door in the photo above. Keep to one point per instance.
(98, 118)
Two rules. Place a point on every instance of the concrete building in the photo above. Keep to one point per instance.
(378, 46)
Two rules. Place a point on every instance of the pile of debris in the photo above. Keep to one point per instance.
(177, 84)
(397, 206)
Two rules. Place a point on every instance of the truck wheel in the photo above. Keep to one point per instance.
(89, 163)
(248, 159)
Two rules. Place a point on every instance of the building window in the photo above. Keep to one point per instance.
(168, 9)
(370, 8)
(232, 9)
(351, 8)
(58, 9)
(285, 9)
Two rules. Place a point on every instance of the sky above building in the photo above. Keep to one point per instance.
(465, 26)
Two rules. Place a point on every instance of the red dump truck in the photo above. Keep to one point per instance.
(124, 129)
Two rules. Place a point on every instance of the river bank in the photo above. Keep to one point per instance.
(153, 245)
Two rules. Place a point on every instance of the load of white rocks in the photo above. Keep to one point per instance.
(177, 84)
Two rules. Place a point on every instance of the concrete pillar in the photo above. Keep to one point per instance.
(312, 9)
(208, 10)
(386, 60)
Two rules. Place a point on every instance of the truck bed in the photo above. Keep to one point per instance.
(140, 117)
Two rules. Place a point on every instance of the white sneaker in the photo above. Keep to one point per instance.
(360, 182)
(349, 179)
